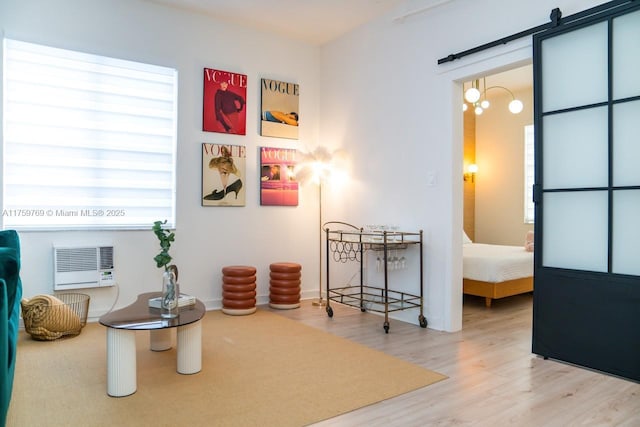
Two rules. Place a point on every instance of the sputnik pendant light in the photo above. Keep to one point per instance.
(479, 102)
(472, 95)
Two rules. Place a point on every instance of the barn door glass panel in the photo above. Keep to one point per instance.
(569, 220)
(575, 149)
(626, 56)
(626, 232)
(571, 63)
(626, 143)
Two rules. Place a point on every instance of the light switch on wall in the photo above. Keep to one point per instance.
(431, 178)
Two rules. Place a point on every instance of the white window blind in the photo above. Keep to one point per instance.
(89, 141)
(529, 209)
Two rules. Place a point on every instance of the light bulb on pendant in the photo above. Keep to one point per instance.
(485, 104)
(464, 107)
(478, 110)
(515, 106)
(472, 95)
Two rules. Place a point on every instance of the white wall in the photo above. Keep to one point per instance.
(500, 179)
(387, 101)
(207, 238)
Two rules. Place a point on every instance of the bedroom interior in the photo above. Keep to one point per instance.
(494, 195)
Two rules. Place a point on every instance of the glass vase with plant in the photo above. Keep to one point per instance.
(169, 307)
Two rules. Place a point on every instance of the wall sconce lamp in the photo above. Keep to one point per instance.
(470, 175)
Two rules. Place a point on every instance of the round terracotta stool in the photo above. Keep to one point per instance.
(238, 290)
(284, 285)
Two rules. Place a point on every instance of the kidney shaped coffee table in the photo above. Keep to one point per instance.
(121, 340)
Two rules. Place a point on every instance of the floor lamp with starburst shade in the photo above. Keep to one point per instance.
(318, 166)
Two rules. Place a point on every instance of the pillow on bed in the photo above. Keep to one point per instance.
(528, 243)
(465, 238)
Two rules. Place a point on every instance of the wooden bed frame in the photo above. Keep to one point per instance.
(491, 290)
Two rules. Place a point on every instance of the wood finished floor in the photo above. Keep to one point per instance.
(494, 379)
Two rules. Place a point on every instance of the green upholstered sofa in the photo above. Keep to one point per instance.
(10, 295)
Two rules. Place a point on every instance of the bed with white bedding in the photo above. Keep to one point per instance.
(496, 271)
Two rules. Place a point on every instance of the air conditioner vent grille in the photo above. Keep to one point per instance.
(106, 257)
(76, 259)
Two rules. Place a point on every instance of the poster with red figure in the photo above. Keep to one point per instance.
(223, 172)
(224, 102)
(278, 185)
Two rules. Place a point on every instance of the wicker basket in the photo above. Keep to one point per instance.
(48, 317)
(79, 303)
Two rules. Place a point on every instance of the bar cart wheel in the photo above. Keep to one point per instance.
(423, 321)
(329, 311)
(386, 327)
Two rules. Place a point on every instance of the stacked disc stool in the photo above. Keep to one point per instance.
(238, 290)
(284, 285)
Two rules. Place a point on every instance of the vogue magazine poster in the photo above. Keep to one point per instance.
(223, 175)
(280, 110)
(278, 185)
(224, 102)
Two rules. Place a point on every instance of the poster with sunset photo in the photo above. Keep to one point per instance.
(278, 185)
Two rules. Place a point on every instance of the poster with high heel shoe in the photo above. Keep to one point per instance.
(278, 185)
(223, 172)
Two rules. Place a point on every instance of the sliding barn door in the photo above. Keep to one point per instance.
(587, 192)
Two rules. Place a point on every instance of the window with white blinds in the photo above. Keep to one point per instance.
(88, 141)
(529, 208)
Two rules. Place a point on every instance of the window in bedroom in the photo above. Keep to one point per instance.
(529, 210)
(89, 141)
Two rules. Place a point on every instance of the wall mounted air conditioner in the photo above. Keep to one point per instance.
(77, 267)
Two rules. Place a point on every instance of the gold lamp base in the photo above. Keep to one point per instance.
(319, 302)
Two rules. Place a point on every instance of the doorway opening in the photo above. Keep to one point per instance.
(495, 166)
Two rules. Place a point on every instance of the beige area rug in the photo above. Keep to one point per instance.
(257, 370)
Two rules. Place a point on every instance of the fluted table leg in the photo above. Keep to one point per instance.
(190, 348)
(160, 339)
(121, 362)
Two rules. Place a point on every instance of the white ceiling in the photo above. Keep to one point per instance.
(320, 21)
(312, 21)
(516, 79)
